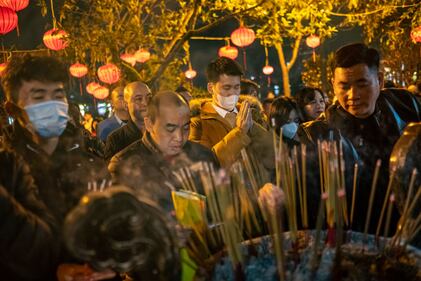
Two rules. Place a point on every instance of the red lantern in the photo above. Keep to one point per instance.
(267, 70)
(190, 73)
(142, 55)
(101, 93)
(243, 36)
(91, 87)
(2, 67)
(55, 40)
(313, 41)
(229, 52)
(78, 70)
(129, 58)
(15, 5)
(8, 20)
(416, 34)
(109, 73)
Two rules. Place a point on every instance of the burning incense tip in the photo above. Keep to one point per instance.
(341, 193)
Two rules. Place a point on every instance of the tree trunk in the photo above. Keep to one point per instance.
(284, 68)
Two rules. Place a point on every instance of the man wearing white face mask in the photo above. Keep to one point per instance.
(223, 125)
(55, 150)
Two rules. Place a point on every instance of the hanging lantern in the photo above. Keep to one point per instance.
(129, 58)
(101, 93)
(228, 51)
(243, 36)
(55, 40)
(78, 70)
(15, 5)
(267, 70)
(2, 68)
(142, 55)
(91, 87)
(313, 41)
(8, 20)
(109, 73)
(416, 34)
(190, 73)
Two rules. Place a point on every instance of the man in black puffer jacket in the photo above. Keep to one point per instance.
(29, 248)
(56, 150)
(370, 119)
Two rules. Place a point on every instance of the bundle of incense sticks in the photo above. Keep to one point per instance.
(332, 178)
(290, 177)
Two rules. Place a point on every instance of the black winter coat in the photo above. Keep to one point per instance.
(63, 177)
(28, 234)
(120, 139)
(366, 141)
(142, 167)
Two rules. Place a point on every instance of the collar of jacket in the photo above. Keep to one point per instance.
(150, 144)
(68, 141)
(131, 126)
(208, 112)
(335, 115)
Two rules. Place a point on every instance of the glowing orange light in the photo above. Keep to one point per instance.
(190, 74)
(313, 41)
(109, 73)
(2, 67)
(55, 40)
(142, 55)
(101, 93)
(129, 58)
(267, 70)
(15, 5)
(243, 36)
(8, 20)
(229, 52)
(416, 34)
(78, 70)
(91, 87)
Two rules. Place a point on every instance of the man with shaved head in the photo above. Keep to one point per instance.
(163, 147)
(119, 118)
(136, 95)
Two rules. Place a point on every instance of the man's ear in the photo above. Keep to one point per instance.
(148, 124)
(210, 87)
(381, 79)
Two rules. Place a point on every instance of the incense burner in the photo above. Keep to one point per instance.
(357, 259)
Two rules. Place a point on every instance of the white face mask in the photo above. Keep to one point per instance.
(227, 103)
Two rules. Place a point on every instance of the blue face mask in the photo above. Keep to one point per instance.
(48, 118)
(289, 130)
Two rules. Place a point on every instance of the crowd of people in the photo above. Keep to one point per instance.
(50, 157)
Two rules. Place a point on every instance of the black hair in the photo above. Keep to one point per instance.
(280, 110)
(223, 65)
(170, 97)
(304, 96)
(28, 68)
(356, 53)
(247, 86)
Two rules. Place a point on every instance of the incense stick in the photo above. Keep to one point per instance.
(389, 215)
(320, 216)
(354, 192)
(370, 204)
(386, 199)
(405, 211)
(304, 181)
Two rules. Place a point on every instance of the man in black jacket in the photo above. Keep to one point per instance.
(136, 95)
(55, 150)
(147, 164)
(28, 243)
(368, 118)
